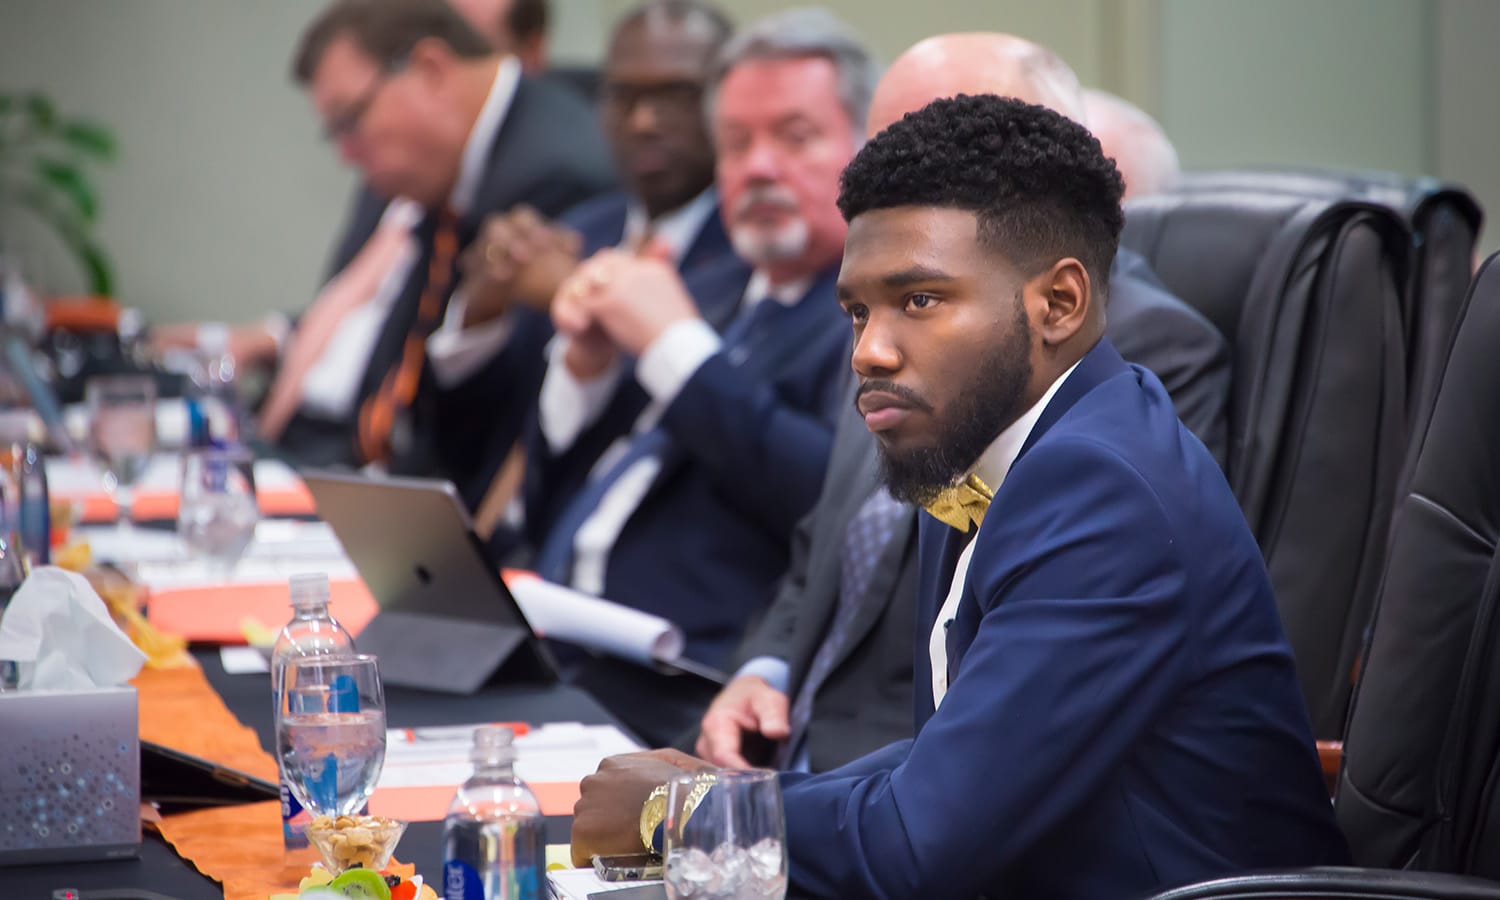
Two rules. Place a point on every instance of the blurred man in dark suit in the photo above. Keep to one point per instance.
(685, 422)
(658, 62)
(431, 115)
(829, 672)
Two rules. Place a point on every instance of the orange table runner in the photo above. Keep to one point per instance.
(217, 615)
(240, 846)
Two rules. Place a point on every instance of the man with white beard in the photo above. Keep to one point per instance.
(685, 425)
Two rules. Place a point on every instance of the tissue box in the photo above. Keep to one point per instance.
(70, 773)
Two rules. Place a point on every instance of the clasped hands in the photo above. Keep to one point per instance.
(612, 303)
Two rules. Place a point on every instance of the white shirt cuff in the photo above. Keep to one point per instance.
(457, 352)
(567, 405)
(775, 671)
(674, 356)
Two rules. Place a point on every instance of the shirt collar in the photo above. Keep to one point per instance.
(995, 462)
(759, 288)
(675, 230)
(472, 165)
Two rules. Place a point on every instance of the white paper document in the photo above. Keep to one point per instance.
(567, 615)
(557, 751)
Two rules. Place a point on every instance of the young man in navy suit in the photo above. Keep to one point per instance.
(1106, 702)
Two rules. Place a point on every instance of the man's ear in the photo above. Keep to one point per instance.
(1067, 297)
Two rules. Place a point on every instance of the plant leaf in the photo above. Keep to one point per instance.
(89, 138)
(43, 114)
(68, 180)
(74, 233)
(7, 103)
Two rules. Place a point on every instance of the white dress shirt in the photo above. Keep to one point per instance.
(662, 370)
(993, 465)
(331, 386)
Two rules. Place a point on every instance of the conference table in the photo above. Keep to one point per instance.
(159, 869)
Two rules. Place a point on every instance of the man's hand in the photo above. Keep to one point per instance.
(518, 257)
(607, 817)
(633, 299)
(589, 350)
(747, 706)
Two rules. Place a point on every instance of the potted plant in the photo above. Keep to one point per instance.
(45, 164)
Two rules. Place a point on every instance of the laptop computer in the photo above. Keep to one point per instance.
(447, 622)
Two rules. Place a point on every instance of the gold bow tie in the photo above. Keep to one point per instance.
(961, 504)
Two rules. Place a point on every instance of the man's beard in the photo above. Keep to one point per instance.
(989, 403)
(760, 245)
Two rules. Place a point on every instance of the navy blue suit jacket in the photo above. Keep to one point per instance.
(601, 223)
(709, 542)
(1123, 713)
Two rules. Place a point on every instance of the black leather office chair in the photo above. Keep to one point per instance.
(1445, 220)
(1310, 294)
(1420, 786)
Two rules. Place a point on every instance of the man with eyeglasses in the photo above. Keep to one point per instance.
(445, 131)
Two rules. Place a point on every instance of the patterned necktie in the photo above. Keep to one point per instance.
(377, 417)
(865, 542)
(962, 504)
(554, 561)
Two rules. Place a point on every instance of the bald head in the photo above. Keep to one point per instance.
(975, 63)
(1141, 150)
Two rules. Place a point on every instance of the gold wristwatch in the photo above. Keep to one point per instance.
(654, 810)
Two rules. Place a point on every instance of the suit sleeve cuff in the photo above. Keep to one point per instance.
(775, 671)
(567, 405)
(674, 356)
(456, 352)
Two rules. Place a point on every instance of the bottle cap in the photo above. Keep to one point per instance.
(493, 745)
(309, 589)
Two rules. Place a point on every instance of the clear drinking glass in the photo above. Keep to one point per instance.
(217, 513)
(330, 732)
(725, 836)
(122, 433)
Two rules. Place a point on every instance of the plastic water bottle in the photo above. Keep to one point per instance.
(493, 845)
(28, 516)
(313, 631)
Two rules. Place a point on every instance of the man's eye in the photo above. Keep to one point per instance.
(858, 312)
(921, 301)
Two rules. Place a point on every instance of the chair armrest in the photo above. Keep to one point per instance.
(1331, 754)
(1341, 883)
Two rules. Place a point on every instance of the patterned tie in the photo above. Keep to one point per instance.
(962, 504)
(865, 541)
(377, 417)
(554, 561)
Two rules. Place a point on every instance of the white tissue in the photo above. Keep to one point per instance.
(61, 636)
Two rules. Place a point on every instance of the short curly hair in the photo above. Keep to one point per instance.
(1038, 182)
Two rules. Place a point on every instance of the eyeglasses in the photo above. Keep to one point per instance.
(346, 123)
(677, 98)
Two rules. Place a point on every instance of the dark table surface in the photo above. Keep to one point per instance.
(159, 868)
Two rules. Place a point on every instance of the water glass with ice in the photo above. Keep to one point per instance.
(217, 515)
(330, 732)
(725, 836)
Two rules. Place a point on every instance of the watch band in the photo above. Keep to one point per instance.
(654, 810)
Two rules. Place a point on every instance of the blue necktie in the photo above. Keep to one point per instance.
(554, 562)
(865, 542)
